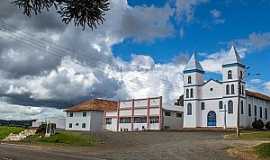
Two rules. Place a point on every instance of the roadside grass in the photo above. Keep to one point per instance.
(64, 138)
(263, 150)
(5, 131)
(251, 135)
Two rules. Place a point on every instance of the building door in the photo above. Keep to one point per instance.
(211, 119)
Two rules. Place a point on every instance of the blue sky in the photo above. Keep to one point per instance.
(214, 26)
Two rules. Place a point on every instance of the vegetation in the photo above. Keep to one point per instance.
(267, 125)
(65, 138)
(258, 124)
(252, 135)
(80, 12)
(5, 131)
(263, 150)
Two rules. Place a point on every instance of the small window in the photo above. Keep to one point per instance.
(70, 114)
(154, 119)
(242, 107)
(227, 89)
(179, 115)
(241, 75)
(255, 111)
(243, 90)
(70, 125)
(108, 121)
(211, 89)
(189, 109)
(265, 113)
(167, 113)
(84, 114)
(249, 110)
(220, 105)
(202, 106)
(77, 124)
(140, 120)
(230, 107)
(83, 125)
(229, 74)
(187, 93)
(191, 93)
(260, 112)
(232, 89)
(189, 79)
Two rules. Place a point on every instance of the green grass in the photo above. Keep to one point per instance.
(253, 135)
(263, 150)
(65, 138)
(5, 131)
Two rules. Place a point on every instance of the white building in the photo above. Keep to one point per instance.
(88, 115)
(215, 103)
(143, 114)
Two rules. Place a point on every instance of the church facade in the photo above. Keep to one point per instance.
(216, 103)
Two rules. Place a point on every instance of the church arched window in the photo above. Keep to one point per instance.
(229, 74)
(232, 89)
(189, 109)
(230, 107)
(187, 93)
(241, 75)
(227, 89)
(191, 93)
(189, 79)
(243, 89)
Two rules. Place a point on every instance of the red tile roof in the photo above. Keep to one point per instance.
(94, 105)
(258, 95)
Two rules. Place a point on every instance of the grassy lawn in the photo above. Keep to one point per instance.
(263, 150)
(65, 138)
(251, 135)
(5, 131)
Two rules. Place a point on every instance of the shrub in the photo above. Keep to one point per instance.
(258, 124)
(267, 125)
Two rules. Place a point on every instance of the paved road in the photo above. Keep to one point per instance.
(131, 146)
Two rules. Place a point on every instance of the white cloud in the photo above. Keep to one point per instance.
(215, 13)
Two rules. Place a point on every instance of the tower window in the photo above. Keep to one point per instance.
(187, 93)
(189, 109)
(241, 75)
(229, 74)
(203, 106)
(191, 93)
(230, 107)
(243, 89)
(220, 105)
(227, 89)
(232, 88)
(189, 79)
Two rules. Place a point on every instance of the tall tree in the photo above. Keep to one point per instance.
(82, 12)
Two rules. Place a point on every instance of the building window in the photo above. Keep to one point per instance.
(230, 107)
(83, 125)
(189, 79)
(227, 89)
(189, 109)
(242, 107)
(70, 114)
(255, 111)
(241, 75)
(220, 105)
(140, 120)
(239, 89)
(108, 121)
(243, 90)
(229, 74)
(77, 124)
(167, 113)
(70, 125)
(179, 115)
(154, 119)
(125, 120)
(249, 110)
(203, 106)
(187, 93)
(232, 89)
(260, 112)
(191, 93)
(211, 89)
(265, 113)
(84, 114)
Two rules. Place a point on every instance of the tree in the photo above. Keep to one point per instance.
(82, 12)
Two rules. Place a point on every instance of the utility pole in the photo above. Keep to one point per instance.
(238, 108)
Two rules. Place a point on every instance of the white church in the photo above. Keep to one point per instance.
(216, 103)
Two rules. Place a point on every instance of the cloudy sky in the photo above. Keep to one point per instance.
(140, 51)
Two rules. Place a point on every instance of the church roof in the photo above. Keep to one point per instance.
(232, 57)
(193, 64)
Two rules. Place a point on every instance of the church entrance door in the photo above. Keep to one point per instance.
(211, 119)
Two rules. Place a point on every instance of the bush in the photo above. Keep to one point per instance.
(258, 124)
(267, 125)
